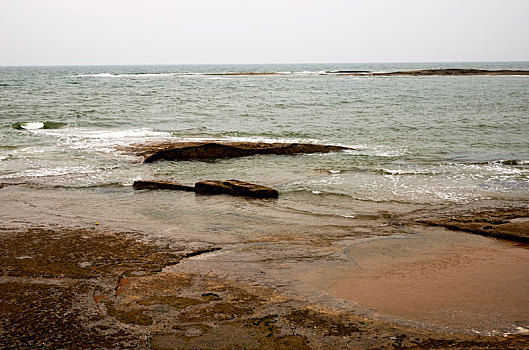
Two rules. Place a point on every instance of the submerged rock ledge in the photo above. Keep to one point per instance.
(507, 224)
(223, 149)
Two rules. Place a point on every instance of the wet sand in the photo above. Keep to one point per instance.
(440, 279)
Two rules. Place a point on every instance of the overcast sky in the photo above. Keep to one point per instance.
(66, 32)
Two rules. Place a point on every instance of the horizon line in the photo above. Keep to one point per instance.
(241, 64)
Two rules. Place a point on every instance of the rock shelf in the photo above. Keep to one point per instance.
(178, 151)
(507, 224)
(89, 289)
(439, 72)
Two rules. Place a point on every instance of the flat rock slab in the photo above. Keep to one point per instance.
(231, 187)
(222, 149)
(508, 224)
(161, 185)
(235, 188)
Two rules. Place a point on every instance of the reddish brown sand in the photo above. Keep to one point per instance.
(448, 280)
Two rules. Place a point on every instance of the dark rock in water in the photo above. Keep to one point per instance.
(235, 188)
(211, 187)
(231, 187)
(459, 71)
(161, 185)
(444, 72)
(214, 150)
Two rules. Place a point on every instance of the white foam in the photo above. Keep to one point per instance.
(362, 150)
(128, 75)
(409, 172)
(304, 73)
(218, 78)
(495, 168)
(251, 139)
(121, 134)
(99, 75)
(56, 171)
(32, 125)
(194, 74)
(104, 140)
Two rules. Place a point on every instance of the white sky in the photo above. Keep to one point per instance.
(57, 32)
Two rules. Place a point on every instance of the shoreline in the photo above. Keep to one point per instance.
(287, 290)
(128, 294)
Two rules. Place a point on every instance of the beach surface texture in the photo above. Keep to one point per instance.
(368, 206)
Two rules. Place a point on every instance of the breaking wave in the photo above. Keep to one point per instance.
(126, 75)
(38, 125)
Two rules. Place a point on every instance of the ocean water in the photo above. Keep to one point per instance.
(415, 139)
(418, 143)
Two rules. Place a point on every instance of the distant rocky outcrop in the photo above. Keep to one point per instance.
(178, 151)
(230, 187)
(441, 72)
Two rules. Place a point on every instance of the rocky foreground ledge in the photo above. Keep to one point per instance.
(90, 289)
(178, 151)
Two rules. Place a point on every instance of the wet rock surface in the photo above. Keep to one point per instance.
(179, 151)
(508, 224)
(231, 187)
(78, 288)
(235, 188)
(51, 283)
(161, 185)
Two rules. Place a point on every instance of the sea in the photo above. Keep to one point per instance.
(417, 143)
(414, 140)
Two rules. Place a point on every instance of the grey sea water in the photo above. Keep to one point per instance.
(416, 139)
(418, 143)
